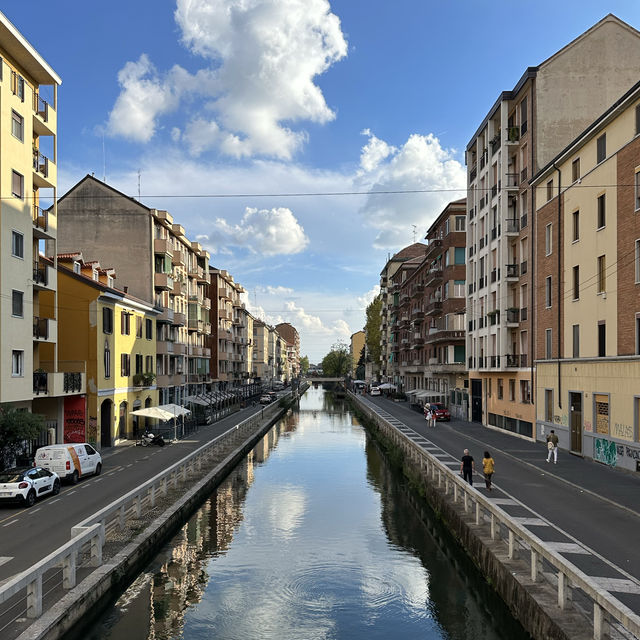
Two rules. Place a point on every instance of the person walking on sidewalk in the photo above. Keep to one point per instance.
(467, 467)
(488, 466)
(552, 446)
(428, 415)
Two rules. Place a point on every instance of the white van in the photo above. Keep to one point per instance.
(70, 461)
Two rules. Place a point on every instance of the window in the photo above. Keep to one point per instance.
(575, 170)
(637, 257)
(125, 325)
(601, 406)
(139, 362)
(576, 282)
(602, 339)
(576, 226)
(550, 190)
(148, 323)
(460, 223)
(77, 268)
(17, 303)
(17, 363)
(17, 85)
(637, 119)
(125, 364)
(17, 244)
(548, 405)
(576, 340)
(602, 275)
(548, 344)
(523, 116)
(107, 320)
(17, 184)
(602, 148)
(459, 255)
(637, 334)
(148, 368)
(17, 126)
(525, 395)
(637, 183)
(512, 390)
(547, 292)
(548, 239)
(500, 389)
(95, 275)
(138, 327)
(107, 360)
(602, 220)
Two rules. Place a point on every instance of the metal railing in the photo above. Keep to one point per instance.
(519, 543)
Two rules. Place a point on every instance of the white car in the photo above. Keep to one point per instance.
(375, 391)
(24, 485)
(266, 399)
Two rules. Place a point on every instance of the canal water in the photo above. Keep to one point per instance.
(313, 536)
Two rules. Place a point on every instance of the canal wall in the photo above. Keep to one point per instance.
(80, 606)
(514, 571)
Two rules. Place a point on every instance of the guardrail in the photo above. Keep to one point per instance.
(544, 564)
(95, 529)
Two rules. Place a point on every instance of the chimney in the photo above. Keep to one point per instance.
(125, 289)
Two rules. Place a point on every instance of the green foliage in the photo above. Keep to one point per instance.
(17, 427)
(337, 363)
(372, 330)
(304, 365)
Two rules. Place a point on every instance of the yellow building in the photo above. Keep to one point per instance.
(357, 345)
(588, 320)
(115, 333)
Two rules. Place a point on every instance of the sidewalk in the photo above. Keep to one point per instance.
(585, 510)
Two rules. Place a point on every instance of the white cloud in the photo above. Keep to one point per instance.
(365, 300)
(267, 232)
(421, 164)
(263, 58)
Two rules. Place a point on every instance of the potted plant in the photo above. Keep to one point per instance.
(148, 378)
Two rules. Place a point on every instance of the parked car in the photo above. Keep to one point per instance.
(26, 484)
(442, 413)
(70, 461)
(265, 398)
(375, 391)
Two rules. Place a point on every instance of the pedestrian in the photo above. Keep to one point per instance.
(467, 467)
(552, 446)
(427, 414)
(433, 417)
(488, 466)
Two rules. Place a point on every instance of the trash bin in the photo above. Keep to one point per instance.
(51, 435)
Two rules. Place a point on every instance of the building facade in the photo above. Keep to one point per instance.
(525, 129)
(588, 293)
(291, 339)
(156, 263)
(356, 345)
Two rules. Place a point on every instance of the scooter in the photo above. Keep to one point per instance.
(150, 438)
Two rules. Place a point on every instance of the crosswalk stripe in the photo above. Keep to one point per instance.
(617, 584)
(5, 559)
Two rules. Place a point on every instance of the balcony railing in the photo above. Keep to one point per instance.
(514, 361)
(39, 273)
(513, 316)
(513, 271)
(72, 382)
(512, 225)
(513, 134)
(433, 307)
(40, 163)
(473, 173)
(494, 362)
(495, 143)
(40, 106)
(40, 380)
(40, 218)
(41, 328)
(513, 180)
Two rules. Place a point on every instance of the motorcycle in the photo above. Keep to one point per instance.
(149, 438)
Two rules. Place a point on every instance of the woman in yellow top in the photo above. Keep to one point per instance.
(488, 466)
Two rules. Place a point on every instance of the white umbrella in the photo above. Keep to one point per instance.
(153, 412)
(175, 410)
(387, 385)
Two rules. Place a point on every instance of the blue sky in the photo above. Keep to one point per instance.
(213, 97)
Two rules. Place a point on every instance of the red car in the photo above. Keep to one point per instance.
(442, 413)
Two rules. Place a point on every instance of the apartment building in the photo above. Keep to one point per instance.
(524, 129)
(115, 334)
(291, 339)
(588, 289)
(356, 345)
(32, 376)
(263, 370)
(156, 263)
(389, 369)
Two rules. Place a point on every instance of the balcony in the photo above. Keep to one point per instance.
(177, 258)
(445, 335)
(166, 316)
(494, 362)
(163, 281)
(40, 275)
(516, 361)
(512, 226)
(224, 293)
(513, 134)
(404, 298)
(433, 307)
(44, 173)
(195, 325)
(473, 173)
(162, 246)
(195, 271)
(60, 383)
(513, 272)
(433, 277)
(512, 181)
(170, 380)
(206, 303)
(206, 352)
(40, 219)
(495, 143)
(513, 316)
(207, 328)
(41, 328)
(434, 249)
(416, 314)
(179, 319)
(44, 123)
(164, 347)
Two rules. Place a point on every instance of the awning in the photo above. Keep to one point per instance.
(423, 394)
(153, 412)
(387, 385)
(410, 393)
(196, 400)
(174, 410)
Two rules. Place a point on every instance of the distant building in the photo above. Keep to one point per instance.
(356, 346)
(292, 339)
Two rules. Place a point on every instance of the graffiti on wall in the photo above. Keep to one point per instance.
(629, 452)
(622, 431)
(605, 451)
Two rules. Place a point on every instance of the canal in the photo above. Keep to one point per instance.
(312, 536)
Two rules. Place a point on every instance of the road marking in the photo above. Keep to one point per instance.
(5, 559)
(54, 500)
(530, 522)
(567, 547)
(617, 585)
(504, 501)
(10, 523)
(35, 510)
(70, 492)
(97, 479)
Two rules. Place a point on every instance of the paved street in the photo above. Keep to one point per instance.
(27, 535)
(585, 510)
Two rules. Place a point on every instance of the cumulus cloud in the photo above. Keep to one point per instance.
(421, 164)
(267, 232)
(262, 57)
(365, 300)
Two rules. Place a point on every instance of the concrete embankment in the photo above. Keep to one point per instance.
(80, 606)
(533, 603)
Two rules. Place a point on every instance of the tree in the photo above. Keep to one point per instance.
(372, 330)
(337, 363)
(304, 365)
(17, 427)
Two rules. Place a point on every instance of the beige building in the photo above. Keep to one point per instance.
(155, 262)
(291, 338)
(32, 375)
(525, 128)
(356, 346)
(588, 293)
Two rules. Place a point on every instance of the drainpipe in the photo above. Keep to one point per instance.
(559, 287)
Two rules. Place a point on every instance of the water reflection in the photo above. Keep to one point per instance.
(313, 536)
